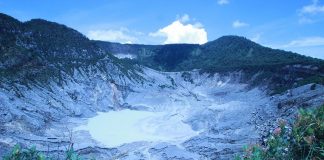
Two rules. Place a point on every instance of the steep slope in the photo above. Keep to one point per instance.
(261, 66)
(41, 50)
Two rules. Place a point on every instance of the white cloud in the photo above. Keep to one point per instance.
(239, 24)
(309, 46)
(121, 35)
(306, 42)
(180, 32)
(311, 13)
(313, 8)
(222, 2)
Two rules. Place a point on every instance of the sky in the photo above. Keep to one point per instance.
(293, 25)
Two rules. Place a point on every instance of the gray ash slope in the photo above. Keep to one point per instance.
(51, 77)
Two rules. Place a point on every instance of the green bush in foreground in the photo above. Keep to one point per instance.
(304, 141)
(18, 153)
(308, 135)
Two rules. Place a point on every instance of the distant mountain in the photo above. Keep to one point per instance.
(160, 57)
(276, 68)
(225, 53)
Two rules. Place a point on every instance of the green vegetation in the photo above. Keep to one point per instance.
(40, 51)
(18, 153)
(277, 69)
(304, 141)
(308, 135)
(227, 53)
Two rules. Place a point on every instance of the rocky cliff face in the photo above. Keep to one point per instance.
(54, 80)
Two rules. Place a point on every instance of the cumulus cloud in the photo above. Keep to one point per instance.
(181, 32)
(239, 24)
(306, 42)
(121, 35)
(222, 2)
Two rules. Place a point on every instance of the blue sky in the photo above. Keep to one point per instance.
(295, 25)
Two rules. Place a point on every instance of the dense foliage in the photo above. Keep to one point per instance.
(304, 141)
(39, 50)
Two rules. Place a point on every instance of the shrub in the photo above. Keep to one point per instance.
(304, 141)
(71, 154)
(18, 153)
(308, 135)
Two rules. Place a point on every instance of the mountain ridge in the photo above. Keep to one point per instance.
(40, 47)
(222, 46)
(40, 50)
(262, 66)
